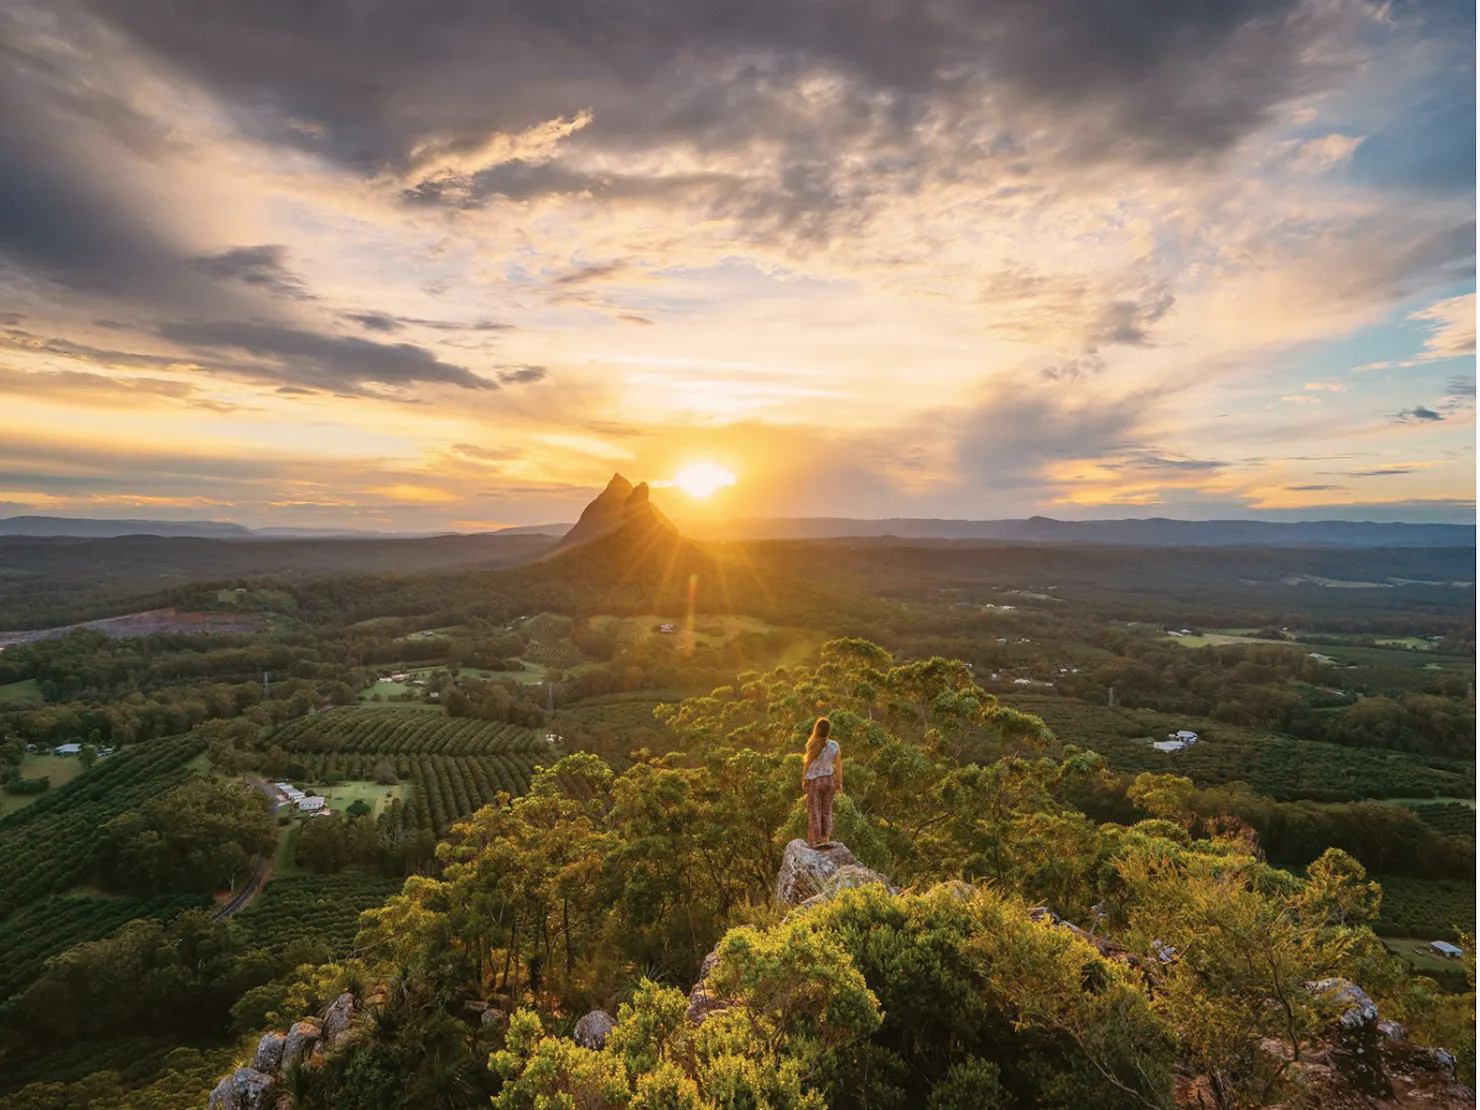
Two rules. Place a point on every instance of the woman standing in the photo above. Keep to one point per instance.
(822, 779)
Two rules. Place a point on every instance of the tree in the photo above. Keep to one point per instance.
(203, 836)
(87, 755)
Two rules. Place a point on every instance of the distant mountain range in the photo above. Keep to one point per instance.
(1152, 532)
(606, 512)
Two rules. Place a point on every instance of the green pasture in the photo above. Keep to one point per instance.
(17, 694)
(1423, 958)
(341, 796)
(59, 768)
(707, 629)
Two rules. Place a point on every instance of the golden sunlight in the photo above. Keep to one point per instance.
(702, 479)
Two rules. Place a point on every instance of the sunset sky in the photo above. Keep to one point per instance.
(450, 264)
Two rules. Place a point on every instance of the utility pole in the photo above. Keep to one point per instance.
(264, 685)
(1112, 697)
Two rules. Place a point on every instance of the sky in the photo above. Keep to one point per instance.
(449, 265)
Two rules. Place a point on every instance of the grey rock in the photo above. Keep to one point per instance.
(592, 1029)
(299, 1042)
(1392, 1030)
(243, 1089)
(337, 1018)
(493, 1019)
(269, 1052)
(808, 872)
(702, 1000)
(1445, 1062)
(1354, 1008)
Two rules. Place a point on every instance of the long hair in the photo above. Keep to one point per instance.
(814, 742)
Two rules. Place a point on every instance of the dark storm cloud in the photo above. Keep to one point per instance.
(264, 266)
(317, 360)
(365, 81)
(59, 220)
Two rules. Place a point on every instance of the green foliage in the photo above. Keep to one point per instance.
(50, 846)
(1430, 908)
(42, 930)
(204, 835)
(393, 731)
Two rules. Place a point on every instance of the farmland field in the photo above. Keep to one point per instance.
(60, 769)
(26, 692)
(45, 928)
(1279, 766)
(1450, 818)
(323, 908)
(46, 848)
(394, 730)
(1436, 908)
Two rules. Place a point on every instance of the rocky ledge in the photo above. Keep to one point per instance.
(254, 1087)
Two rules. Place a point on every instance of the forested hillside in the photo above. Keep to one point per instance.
(557, 787)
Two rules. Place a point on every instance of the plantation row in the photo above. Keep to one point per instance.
(554, 653)
(1426, 907)
(323, 908)
(32, 935)
(374, 731)
(1450, 818)
(48, 847)
(453, 787)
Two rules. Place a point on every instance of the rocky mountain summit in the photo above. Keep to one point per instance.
(620, 505)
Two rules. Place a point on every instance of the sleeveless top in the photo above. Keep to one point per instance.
(822, 766)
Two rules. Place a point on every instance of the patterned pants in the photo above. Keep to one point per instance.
(819, 809)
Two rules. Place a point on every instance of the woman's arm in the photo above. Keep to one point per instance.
(838, 771)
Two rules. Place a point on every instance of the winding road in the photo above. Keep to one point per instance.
(264, 863)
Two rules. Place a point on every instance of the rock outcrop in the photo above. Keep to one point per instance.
(300, 1041)
(337, 1018)
(269, 1054)
(592, 1029)
(243, 1089)
(254, 1088)
(809, 874)
(620, 505)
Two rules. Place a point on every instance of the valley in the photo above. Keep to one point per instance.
(413, 701)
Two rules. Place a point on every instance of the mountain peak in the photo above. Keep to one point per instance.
(619, 504)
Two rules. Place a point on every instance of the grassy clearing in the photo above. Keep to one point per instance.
(707, 629)
(25, 692)
(1423, 958)
(60, 769)
(340, 796)
(1430, 801)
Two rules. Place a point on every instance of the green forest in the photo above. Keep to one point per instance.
(568, 785)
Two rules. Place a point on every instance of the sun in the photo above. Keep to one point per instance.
(702, 479)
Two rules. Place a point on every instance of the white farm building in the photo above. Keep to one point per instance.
(310, 804)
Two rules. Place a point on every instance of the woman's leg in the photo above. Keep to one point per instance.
(827, 794)
(814, 813)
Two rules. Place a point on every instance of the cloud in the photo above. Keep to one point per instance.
(523, 375)
(1312, 488)
(1451, 327)
(1327, 152)
(629, 318)
(264, 266)
(316, 360)
(1416, 415)
(1326, 387)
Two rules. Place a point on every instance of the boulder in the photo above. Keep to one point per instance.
(963, 892)
(337, 1018)
(269, 1052)
(592, 1029)
(703, 1001)
(1356, 1040)
(1392, 1030)
(300, 1041)
(243, 1089)
(808, 872)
